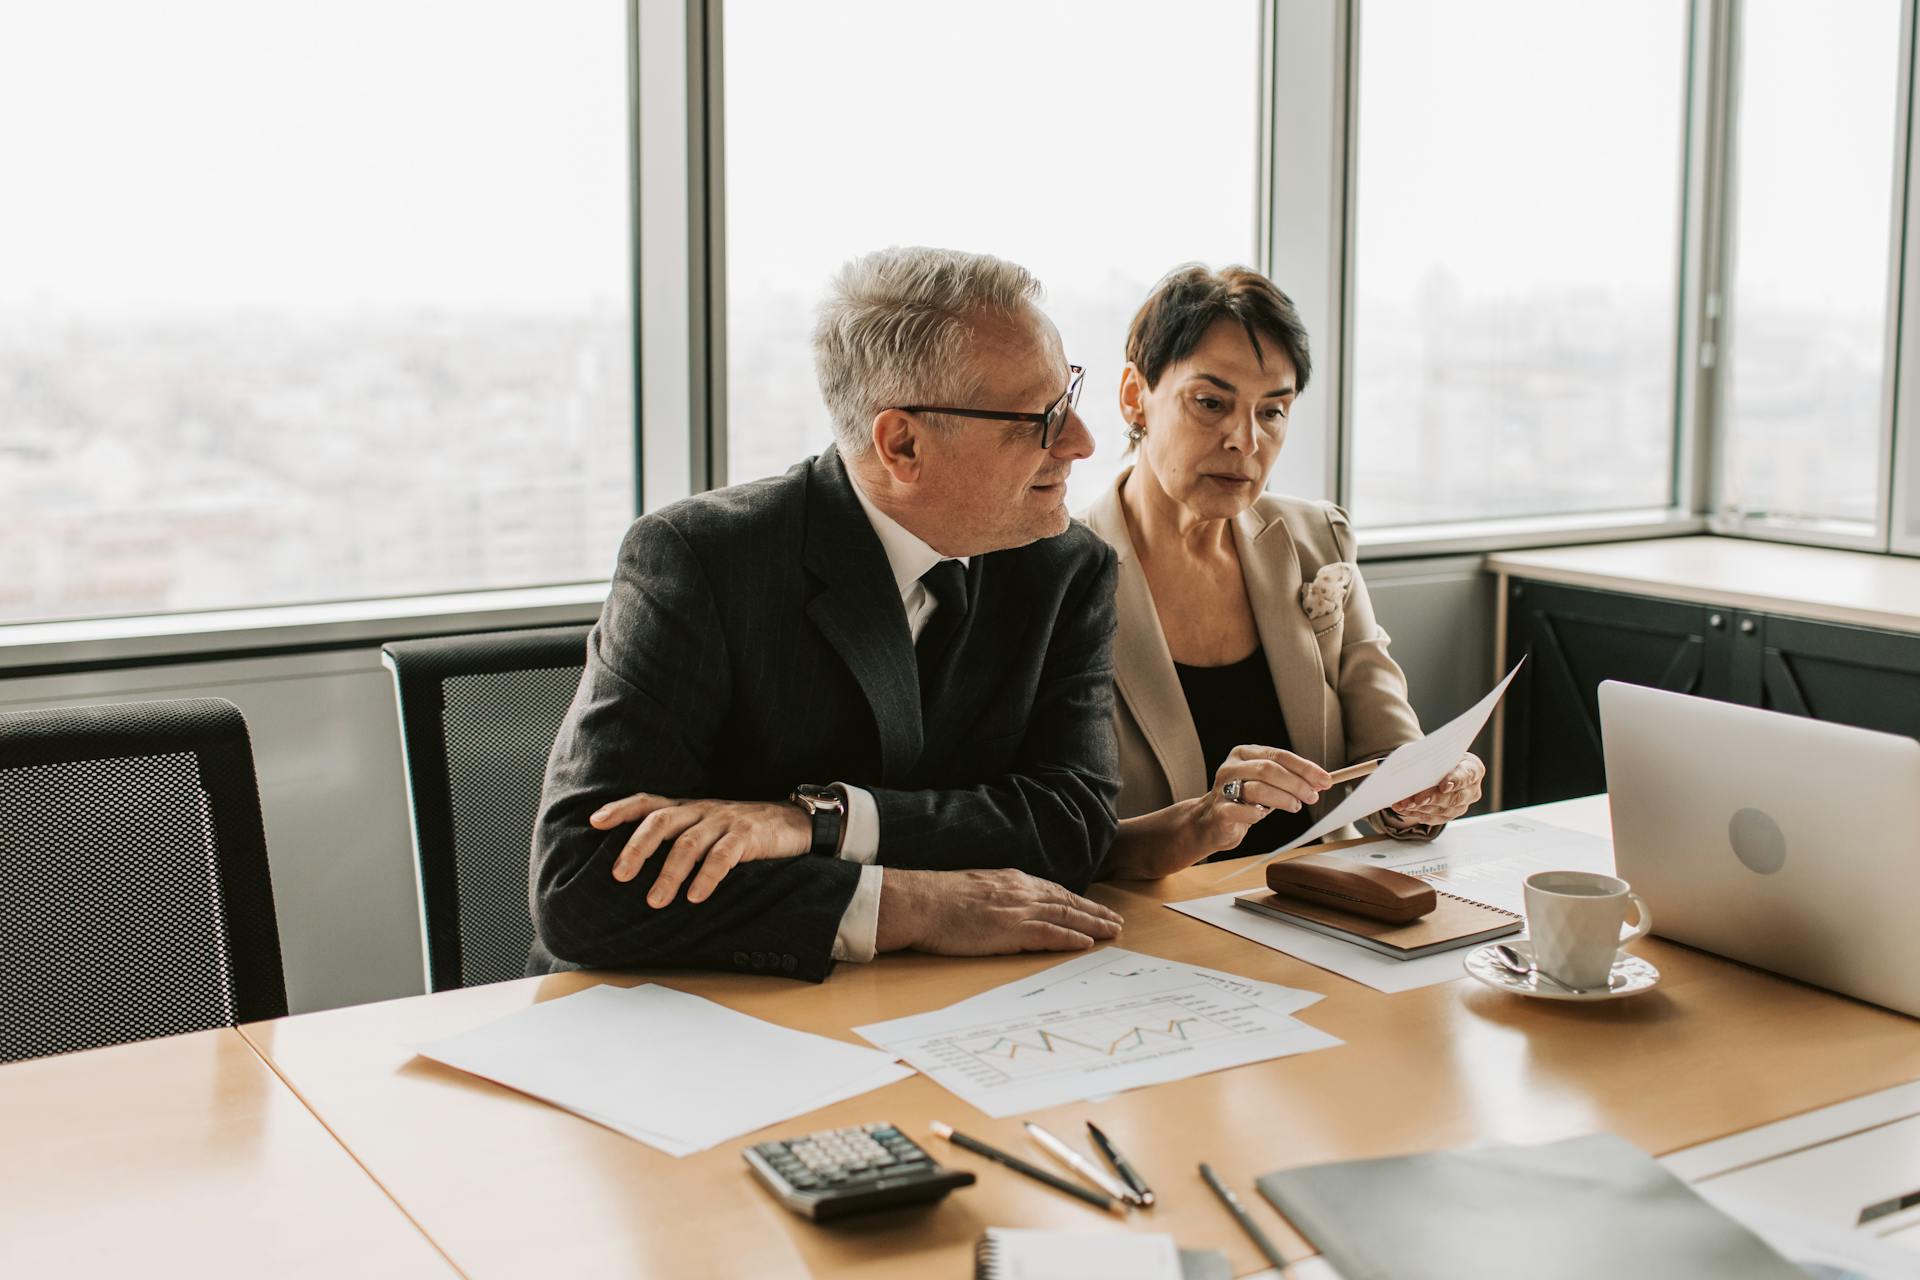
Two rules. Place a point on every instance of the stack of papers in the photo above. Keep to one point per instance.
(1095, 1025)
(674, 1071)
(1484, 859)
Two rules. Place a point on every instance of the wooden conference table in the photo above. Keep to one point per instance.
(504, 1185)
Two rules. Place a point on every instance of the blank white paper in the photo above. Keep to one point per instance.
(672, 1070)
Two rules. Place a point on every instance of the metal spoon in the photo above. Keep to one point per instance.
(1513, 962)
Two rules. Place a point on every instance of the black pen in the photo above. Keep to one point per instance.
(1141, 1191)
(1247, 1224)
(1035, 1172)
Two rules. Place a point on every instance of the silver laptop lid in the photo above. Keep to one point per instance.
(1787, 843)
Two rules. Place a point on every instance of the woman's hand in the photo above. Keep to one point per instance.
(1269, 779)
(1174, 838)
(1447, 799)
(713, 834)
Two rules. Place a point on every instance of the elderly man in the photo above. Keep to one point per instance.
(866, 705)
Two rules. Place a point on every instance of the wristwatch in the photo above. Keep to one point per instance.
(827, 806)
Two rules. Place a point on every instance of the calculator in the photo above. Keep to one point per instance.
(845, 1171)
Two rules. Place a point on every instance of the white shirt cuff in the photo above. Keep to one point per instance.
(860, 924)
(861, 840)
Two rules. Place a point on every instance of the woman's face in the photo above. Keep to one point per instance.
(1215, 423)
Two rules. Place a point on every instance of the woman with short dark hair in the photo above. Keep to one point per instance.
(1247, 660)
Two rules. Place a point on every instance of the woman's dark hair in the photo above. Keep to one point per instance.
(1188, 302)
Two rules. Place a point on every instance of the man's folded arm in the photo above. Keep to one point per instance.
(645, 718)
(1051, 815)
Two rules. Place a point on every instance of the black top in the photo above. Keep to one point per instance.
(1233, 706)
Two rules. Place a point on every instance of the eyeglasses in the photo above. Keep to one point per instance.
(1051, 422)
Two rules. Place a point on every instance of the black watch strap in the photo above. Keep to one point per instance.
(827, 808)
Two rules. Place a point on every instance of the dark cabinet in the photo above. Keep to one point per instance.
(1576, 637)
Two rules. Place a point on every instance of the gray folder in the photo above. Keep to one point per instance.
(1592, 1208)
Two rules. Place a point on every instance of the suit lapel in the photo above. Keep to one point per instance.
(858, 610)
(1142, 664)
(1270, 565)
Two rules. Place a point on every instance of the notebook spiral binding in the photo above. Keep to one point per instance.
(986, 1259)
(1472, 902)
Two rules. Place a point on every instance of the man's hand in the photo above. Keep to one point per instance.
(717, 834)
(986, 913)
(1447, 799)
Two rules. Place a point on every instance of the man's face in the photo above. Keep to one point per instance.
(986, 486)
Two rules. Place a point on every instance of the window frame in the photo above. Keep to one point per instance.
(1720, 251)
(1311, 74)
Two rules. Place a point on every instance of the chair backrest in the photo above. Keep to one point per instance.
(478, 715)
(135, 899)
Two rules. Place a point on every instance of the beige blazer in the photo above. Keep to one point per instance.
(1343, 698)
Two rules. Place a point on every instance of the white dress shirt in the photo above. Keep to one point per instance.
(909, 558)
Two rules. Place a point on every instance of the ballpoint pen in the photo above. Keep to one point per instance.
(1142, 1193)
(1080, 1164)
(1038, 1174)
(1247, 1224)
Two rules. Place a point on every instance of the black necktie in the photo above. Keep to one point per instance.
(947, 583)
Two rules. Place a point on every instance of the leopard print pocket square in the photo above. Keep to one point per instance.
(1324, 597)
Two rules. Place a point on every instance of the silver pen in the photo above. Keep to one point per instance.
(1081, 1165)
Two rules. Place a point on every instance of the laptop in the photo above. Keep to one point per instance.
(1787, 843)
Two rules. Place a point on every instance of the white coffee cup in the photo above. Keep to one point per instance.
(1573, 922)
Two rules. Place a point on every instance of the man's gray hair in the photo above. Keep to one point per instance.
(896, 329)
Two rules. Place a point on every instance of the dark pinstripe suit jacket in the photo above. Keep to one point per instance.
(754, 639)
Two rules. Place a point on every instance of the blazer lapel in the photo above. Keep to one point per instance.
(858, 611)
(1270, 565)
(1142, 664)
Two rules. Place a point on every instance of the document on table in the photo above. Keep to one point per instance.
(1490, 857)
(1410, 769)
(672, 1070)
(1485, 859)
(1095, 1025)
(1823, 1187)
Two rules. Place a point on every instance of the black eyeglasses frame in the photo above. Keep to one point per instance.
(1052, 422)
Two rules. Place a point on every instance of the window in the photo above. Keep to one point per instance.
(1806, 336)
(310, 302)
(1516, 258)
(1098, 145)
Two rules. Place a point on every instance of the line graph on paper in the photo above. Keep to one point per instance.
(1089, 1039)
(1095, 1025)
(1075, 1042)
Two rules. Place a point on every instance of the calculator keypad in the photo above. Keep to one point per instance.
(845, 1169)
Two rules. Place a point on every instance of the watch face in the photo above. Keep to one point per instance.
(816, 798)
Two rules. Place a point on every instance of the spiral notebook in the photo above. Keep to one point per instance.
(1454, 922)
(1007, 1253)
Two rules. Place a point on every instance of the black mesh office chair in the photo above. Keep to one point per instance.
(135, 899)
(478, 715)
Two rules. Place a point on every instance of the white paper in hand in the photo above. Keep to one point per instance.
(1412, 768)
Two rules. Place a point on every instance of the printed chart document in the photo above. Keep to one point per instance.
(674, 1071)
(1486, 859)
(1095, 1025)
(1410, 769)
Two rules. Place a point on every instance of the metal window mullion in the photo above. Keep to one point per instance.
(1304, 214)
(1705, 344)
(636, 351)
(1900, 445)
(672, 404)
(706, 249)
(1702, 293)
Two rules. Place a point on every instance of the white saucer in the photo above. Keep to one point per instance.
(1631, 975)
